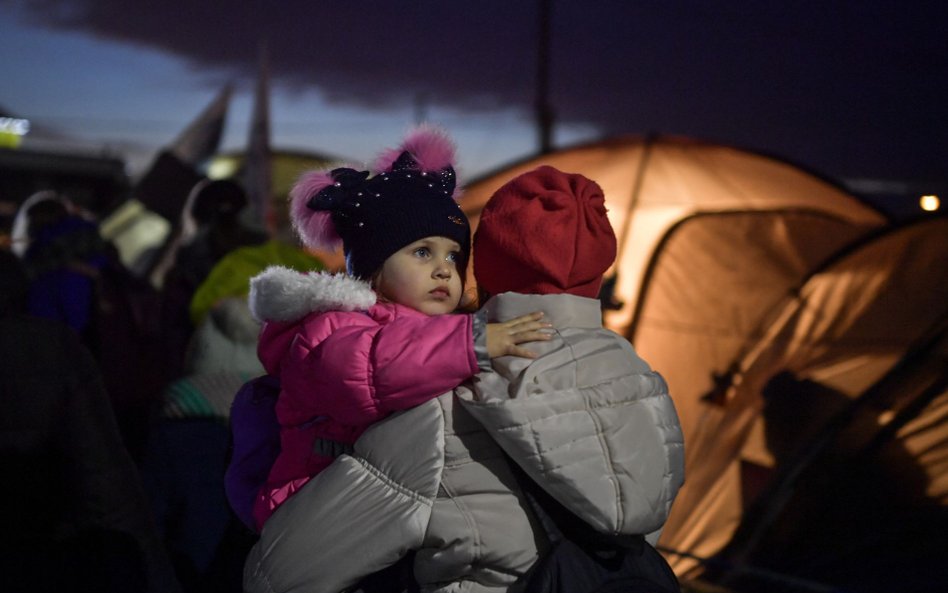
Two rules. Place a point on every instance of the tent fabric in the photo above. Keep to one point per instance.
(716, 278)
(713, 285)
(857, 346)
(651, 184)
(798, 331)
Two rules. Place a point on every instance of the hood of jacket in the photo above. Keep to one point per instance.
(285, 295)
(588, 419)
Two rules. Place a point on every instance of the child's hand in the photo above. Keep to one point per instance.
(502, 338)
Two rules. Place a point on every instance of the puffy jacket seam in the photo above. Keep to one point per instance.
(615, 379)
(601, 406)
(459, 581)
(477, 356)
(266, 583)
(565, 465)
(476, 543)
(560, 446)
(388, 481)
(458, 464)
(659, 392)
(370, 375)
(603, 443)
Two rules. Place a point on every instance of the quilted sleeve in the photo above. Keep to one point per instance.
(359, 515)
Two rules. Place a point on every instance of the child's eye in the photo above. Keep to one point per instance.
(454, 257)
(422, 252)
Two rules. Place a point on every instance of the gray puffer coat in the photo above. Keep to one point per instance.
(588, 420)
(429, 479)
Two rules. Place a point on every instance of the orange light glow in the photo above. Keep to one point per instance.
(929, 203)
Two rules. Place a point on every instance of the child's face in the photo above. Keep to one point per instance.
(424, 276)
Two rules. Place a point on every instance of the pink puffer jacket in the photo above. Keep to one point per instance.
(345, 362)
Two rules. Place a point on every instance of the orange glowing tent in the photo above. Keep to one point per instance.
(832, 427)
(717, 247)
(654, 183)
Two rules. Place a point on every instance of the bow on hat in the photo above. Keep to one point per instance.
(341, 193)
(412, 196)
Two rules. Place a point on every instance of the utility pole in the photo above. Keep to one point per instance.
(544, 112)
(421, 107)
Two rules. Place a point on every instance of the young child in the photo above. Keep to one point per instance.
(351, 349)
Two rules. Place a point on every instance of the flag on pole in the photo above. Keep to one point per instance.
(164, 187)
(199, 141)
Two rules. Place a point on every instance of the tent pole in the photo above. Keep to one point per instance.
(634, 198)
(612, 280)
(771, 503)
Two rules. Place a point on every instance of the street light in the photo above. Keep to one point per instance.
(929, 202)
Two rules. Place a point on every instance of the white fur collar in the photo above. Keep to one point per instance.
(282, 294)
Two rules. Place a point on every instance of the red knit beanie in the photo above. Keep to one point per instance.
(544, 232)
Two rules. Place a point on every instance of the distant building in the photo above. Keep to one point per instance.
(97, 183)
(35, 158)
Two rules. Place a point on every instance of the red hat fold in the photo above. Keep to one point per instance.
(544, 232)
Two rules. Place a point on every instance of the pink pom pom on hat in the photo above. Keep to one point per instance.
(315, 228)
(431, 147)
(411, 197)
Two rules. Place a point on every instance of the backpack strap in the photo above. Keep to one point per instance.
(582, 560)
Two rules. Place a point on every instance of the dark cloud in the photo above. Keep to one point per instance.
(849, 88)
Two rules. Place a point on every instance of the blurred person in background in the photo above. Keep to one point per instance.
(63, 257)
(77, 516)
(77, 277)
(210, 228)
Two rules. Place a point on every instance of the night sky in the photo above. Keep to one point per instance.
(849, 89)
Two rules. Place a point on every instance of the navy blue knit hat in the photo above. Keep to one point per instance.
(413, 196)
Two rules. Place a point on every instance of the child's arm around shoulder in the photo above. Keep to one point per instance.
(359, 366)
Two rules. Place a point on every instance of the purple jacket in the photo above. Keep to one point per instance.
(256, 444)
(345, 361)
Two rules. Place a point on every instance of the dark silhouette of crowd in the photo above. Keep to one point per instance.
(78, 516)
(116, 389)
